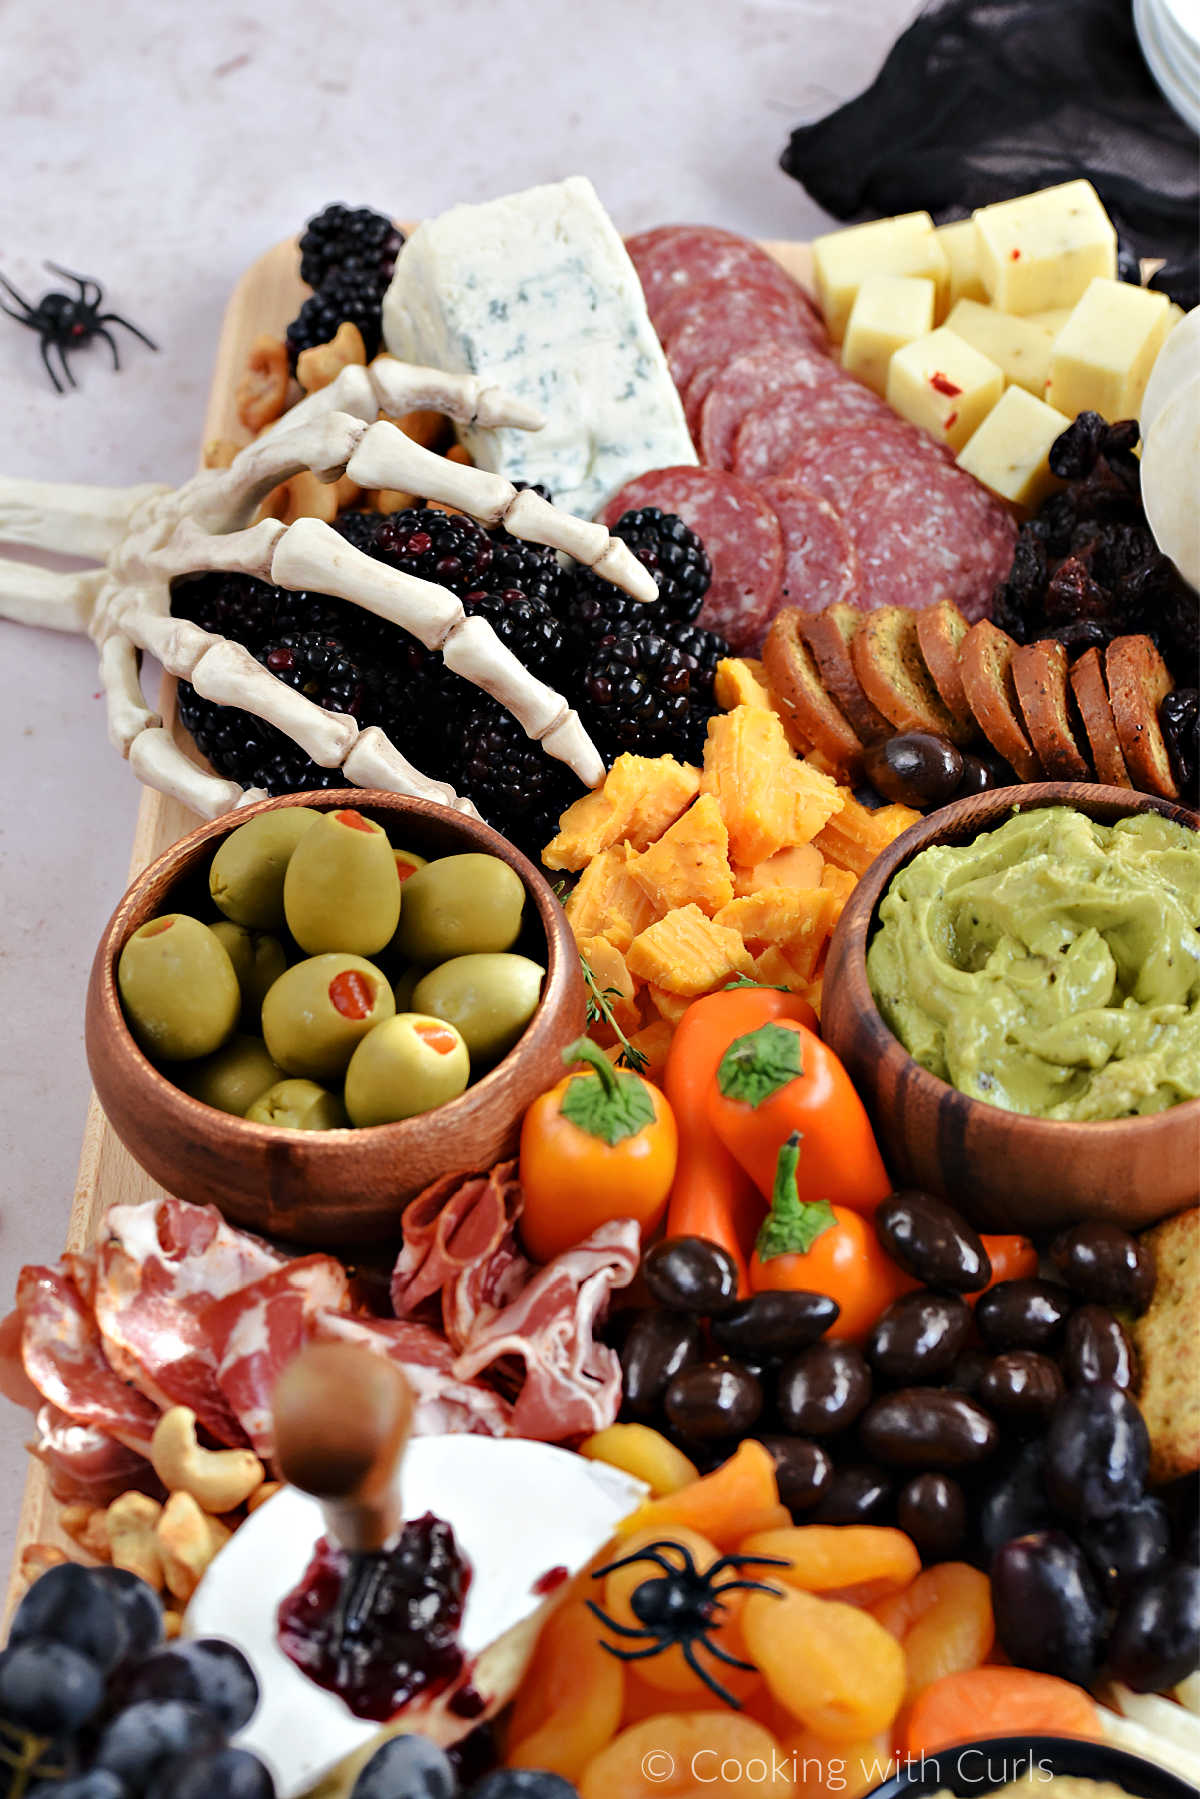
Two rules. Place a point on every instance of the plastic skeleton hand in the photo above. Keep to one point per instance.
(148, 536)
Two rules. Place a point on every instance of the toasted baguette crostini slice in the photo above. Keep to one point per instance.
(985, 661)
(830, 635)
(1091, 696)
(1138, 683)
(941, 628)
(1168, 1348)
(1040, 678)
(888, 662)
(813, 723)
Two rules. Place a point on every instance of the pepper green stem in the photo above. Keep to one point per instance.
(792, 1225)
(584, 1050)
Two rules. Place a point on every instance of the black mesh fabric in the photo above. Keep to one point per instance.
(981, 100)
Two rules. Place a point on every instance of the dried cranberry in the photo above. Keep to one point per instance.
(1179, 717)
(1072, 594)
(1074, 454)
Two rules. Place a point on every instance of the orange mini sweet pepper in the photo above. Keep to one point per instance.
(781, 1079)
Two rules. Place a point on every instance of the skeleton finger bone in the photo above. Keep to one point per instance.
(385, 457)
(376, 762)
(74, 520)
(42, 596)
(158, 762)
(128, 713)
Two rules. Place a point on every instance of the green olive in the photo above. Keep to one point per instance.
(407, 1064)
(460, 906)
(488, 998)
(318, 1010)
(298, 1106)
(258, 961)
(407, 863)
(177, 985)
(246, 876)
(404, 986)
(341, 890)
(233, 1077)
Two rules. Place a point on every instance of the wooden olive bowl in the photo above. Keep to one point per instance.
(1006, 1171)
(325, 1187)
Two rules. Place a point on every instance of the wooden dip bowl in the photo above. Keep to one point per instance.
(1005, 1171)
(341, 1186)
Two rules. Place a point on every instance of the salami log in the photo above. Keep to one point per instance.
(741, 533)
(750, 379)
(772, 436)
(819, 563)
(925, 531)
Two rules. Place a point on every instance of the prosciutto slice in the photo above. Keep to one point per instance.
(460, 1243)
(571, 1383)
(158, 1272)
(64, 1359)
(84, 1463)
(447, 1403)
(255, 1332)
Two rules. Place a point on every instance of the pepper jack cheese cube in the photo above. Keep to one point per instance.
(944, 385)
(1052, 321)
(1016, 345)
(1102, 357)
(842, 261)
(960, 241)
(1010, 451)
(1041, 250)
(888, 310)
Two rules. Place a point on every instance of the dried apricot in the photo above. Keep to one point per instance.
(835, 1667)
(644, 1453)
(943, 1622)
(859, 1563)
(669, 1670)
(741, 1495)
(997, 1702)
(569, 1703)
(841, 1770)
(690, 1755)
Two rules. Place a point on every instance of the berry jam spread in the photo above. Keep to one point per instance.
(402, 1642)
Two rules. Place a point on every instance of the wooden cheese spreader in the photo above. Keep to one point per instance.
(343, 1422)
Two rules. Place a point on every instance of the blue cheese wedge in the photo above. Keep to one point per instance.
(536, 293)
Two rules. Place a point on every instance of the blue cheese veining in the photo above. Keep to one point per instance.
(536, 292)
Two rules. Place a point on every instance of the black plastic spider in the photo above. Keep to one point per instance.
(67, 322)
(680, 1607)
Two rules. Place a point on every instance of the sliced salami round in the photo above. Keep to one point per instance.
(741, 533)
(674, 257)
(924, 531)
(772, 436)
(740, 319)
(704, 301)
(819, 563)
(836, 462)
(749, 379)
(695, 394)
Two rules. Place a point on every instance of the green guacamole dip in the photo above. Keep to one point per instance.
(1052, 966)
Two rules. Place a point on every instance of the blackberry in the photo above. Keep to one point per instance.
(243, 749)
(635, 694)
(446, 547)
(361, 529)
(518, 787)
(525, 626)
(704, 648)
(229, 605)
(674, 555)
(318, 667)
(349, 240)
(596, 612)
(532, 568)
(343, 299)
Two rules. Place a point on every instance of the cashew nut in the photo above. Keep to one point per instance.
(130, 1522)
(187, 1540)
(261, 393)
(88, 1526)
(317, 367)
(218, 1480)
(37, 1558)
(267, 1491)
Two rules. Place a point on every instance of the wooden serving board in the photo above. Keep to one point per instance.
(266, 297)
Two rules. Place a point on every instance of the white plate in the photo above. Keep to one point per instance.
(1171, 62)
